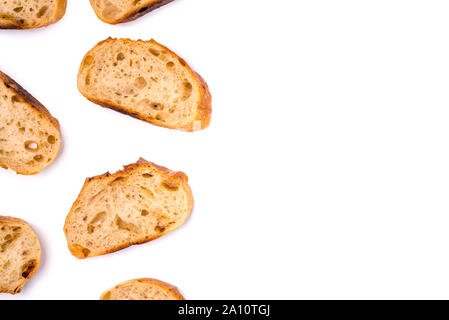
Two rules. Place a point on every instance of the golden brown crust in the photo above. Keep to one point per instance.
(164, 285)
(135, 14)
(33, 103)
(179, 176)
(204, 109)
(6, 220)
(60, 9)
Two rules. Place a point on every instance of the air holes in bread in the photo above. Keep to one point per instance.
(31, 146)
(154, 52)
(170, 65)
(51, 139)
(28, 268)
(140, 83)
(97, 221)
(169, 185)
(120, 56)
(42, 11)
(144, 213)
(110, 11)
(79, 251)
(147, 175)
(187, 89)
(123, 225)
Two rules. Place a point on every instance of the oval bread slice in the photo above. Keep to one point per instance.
(20, 253)
(118, 11)
(143, 289)
(147, 81)
(138, 204)
(25, 14)
(29, 136)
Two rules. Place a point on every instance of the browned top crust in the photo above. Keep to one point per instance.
(127, 168)
(10, 83)
(11, 220)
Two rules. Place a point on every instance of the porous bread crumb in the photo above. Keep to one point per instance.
(147, 81)
(29, 136)
(25, 14)
(114, 211)
(20, 253)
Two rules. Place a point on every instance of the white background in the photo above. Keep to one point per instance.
(324, 173)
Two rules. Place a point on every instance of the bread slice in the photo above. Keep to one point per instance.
(143, 289)
(20, 253)
(147, 81)
(138, 204)
(25, 14)
(118, 11)
(29, 136)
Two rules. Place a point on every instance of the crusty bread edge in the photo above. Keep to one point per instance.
(204, 108)
(164, 285)
(181, 177)
(11, 221)
(134, 14)
(59, 12)
(36, 105)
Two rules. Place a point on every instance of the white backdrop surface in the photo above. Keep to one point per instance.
(324, 173)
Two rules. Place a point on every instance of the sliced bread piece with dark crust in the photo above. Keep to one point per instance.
(20, 254)
(138, 204)
(25, 14)
(147, 81)
(119, 11)
(30, 138)
(143, 289)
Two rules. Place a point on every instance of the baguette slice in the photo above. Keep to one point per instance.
(20, 253)
(138, 204)
(119, 11)
(29, 136)
(25, 14)
(147, 81)
(143, 289)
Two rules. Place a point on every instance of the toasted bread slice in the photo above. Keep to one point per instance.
(20, 254)
(25, 14)
(138, 204)
(143, 289)
(29, 136)
(147, 81)
(119, 11)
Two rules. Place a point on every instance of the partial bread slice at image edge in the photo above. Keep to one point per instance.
(111, 13)
(138, 204)
(20, 254)
(147, 81)
(30, 138)
(24, 14)
(143, 289)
